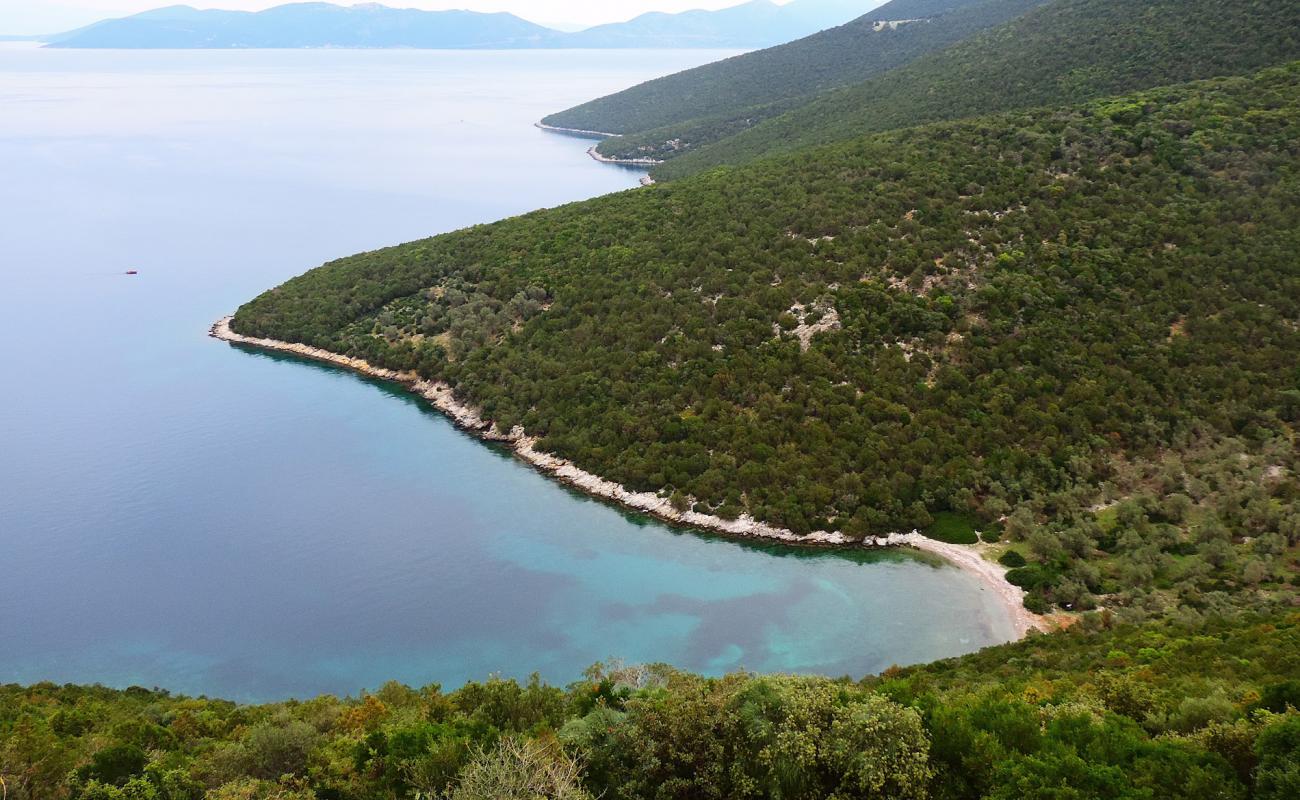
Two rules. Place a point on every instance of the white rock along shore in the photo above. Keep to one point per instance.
(631, 162)
(594, 153)
(465, 416)
(574, 131)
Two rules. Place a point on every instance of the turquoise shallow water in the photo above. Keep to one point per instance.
(182, 513)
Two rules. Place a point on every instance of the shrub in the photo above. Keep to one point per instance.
(1030, 577)
(1278, 696)
(1194, 713)
(273, 750)
(952, 528)
(1278, 749)
(1012, 559)
(115, 764)
(1037, 603)
(250, 789)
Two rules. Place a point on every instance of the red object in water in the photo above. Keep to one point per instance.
(132, 272)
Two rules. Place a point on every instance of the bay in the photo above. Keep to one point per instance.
(177, 512)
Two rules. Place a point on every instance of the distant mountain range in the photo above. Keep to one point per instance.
(759, 23)
(756, 23)
(305, 25)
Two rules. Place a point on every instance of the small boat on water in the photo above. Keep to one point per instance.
(133, 272)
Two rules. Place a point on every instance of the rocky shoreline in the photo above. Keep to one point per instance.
(574, 131)
(627, 162)
(466, 417)
(595, 154)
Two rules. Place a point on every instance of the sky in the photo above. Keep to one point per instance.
(49, 16)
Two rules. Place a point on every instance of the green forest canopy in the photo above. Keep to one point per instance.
(1066, 51)
(995, 316)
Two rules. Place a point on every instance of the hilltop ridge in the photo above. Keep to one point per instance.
(1064, 51)
(757, 23)
(710, 101)
(969, 57)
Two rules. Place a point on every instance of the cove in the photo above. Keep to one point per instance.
(180, 513)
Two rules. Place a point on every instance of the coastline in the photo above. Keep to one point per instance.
(466, 417)
(574, 131)
(591, 151)
(629, 162)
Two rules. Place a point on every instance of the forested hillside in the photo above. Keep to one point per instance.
(1019, 317)
(708, 101)
(1066, 51)
(1176, 711)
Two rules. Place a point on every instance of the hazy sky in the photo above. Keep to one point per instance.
(48, 16)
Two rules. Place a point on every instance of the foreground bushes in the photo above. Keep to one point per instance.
(1202, 710)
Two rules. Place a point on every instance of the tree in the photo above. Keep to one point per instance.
(521, 769)
(1019, 524)
(1012, 559)
(879, 750)
(1278, 775)
(278, 748)
(115, 764)
(32, 760)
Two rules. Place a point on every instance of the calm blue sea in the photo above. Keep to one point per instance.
(176, 512)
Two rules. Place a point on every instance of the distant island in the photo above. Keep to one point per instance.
(758, 23)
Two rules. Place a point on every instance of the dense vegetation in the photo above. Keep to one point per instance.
(1075, 330)
(1063, 52)
(860, 336)
(1206, 710)
(708, 102)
